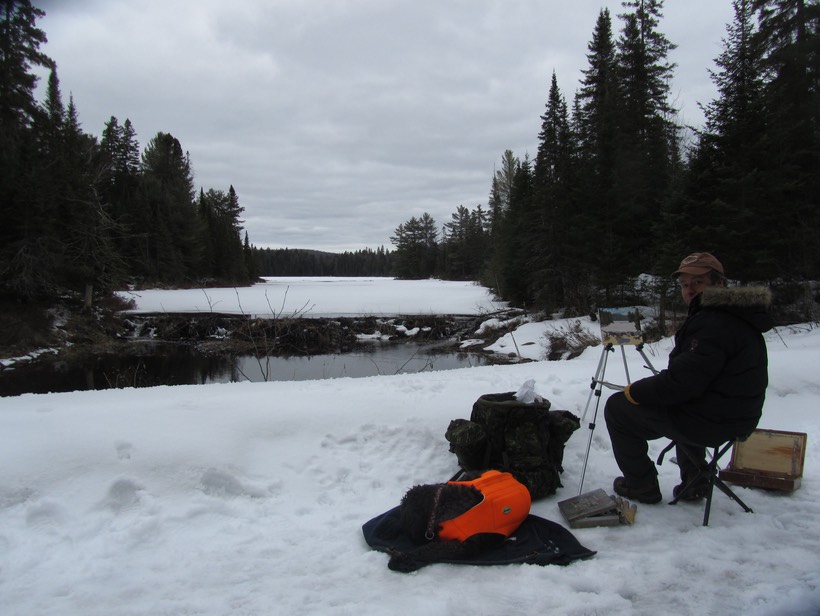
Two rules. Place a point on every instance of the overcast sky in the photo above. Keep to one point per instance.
(337, 120)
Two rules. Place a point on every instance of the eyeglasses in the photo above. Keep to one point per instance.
(693, 282)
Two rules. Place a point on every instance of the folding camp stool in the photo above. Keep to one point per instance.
(710, 472)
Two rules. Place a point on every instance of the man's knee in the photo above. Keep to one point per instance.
(615, 405)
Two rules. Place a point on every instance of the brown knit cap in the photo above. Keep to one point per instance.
(699, 263)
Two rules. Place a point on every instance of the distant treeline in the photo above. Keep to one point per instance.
(297, 262)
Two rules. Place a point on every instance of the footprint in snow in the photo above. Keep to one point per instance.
(44, 515)
(124, 450)
(123, 494)
(215, 482)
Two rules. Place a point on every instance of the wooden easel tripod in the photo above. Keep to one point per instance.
(596, 387)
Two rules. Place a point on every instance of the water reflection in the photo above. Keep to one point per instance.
(404, 358)
(169, 364)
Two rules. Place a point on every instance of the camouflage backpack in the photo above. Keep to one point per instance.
(526, 439)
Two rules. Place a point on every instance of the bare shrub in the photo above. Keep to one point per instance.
(568, 341)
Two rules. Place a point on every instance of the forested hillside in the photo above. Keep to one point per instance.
(618, 187)
(82, 215)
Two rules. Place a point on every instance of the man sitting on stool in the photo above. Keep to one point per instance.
(712, 390)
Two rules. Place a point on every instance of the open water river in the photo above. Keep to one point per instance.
(177, 364)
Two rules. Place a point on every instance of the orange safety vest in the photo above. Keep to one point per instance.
(505, 505)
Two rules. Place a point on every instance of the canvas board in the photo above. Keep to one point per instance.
(620, 326)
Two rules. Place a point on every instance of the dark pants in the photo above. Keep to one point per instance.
(632, 426)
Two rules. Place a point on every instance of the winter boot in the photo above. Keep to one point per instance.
(648, 492)
(694, 493)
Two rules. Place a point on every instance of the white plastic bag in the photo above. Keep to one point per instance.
(526, 393)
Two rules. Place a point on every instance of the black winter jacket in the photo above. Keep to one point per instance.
(717, 376)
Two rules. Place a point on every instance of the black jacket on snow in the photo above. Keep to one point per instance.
(717, 376)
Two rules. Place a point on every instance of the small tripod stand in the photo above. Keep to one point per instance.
(597, 385)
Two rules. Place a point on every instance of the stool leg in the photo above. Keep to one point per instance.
(711, 471)
(712, 475)
(714, 480)
(728, 492)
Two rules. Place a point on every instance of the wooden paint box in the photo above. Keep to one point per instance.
(769, 459)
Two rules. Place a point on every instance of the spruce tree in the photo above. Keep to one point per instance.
(502, 184)
(728, 202)
(512, 260)
(26, 265)
(118, 185)
(598, 123)
(222, 227)
(465, 241)
(599, 105)
(171, 249)
(223, 253)
(55, 112)
(499, 205)
(416, 242)
(20, 41)
(91, 259)
(646, 142)
(789, 33)
(251, 266)
(594, 247)
(547, 236)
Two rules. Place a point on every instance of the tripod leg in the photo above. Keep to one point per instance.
(599, 376)
(626, 368)
(646, 359)
(586, 457)
(597, 384)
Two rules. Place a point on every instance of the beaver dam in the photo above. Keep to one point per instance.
(178, 349)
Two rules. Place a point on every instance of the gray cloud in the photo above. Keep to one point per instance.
(337, 120)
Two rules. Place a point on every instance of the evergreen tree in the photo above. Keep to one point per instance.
(599, 122)
(455, 245)
(26, 265)
(55, 113)
(503, 180)
(547, 237)
(171, 249)
(50, 131)
(646, 143)
(119, 183)
(416, 243)
(728, 205)
(224, 257)
(20, 41)
(599, 104)
(465, 243)
(789, 32)
(237, 267)
(250, 259)
(512, 261)
(499, 205)
(90, 259)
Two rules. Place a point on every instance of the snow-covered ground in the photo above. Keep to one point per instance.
(248, 498)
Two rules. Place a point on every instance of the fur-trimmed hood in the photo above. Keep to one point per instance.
(737, 297)
(750, 304)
